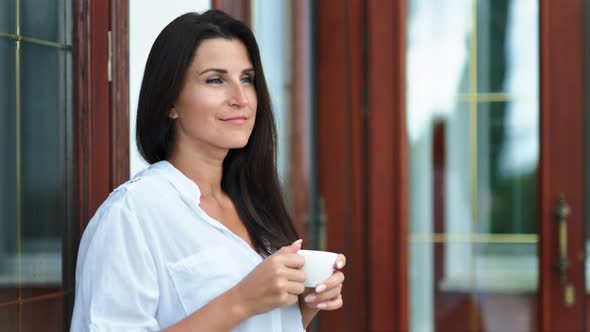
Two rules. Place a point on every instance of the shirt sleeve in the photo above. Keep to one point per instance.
(116, 278)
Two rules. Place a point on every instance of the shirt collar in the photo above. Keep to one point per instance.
(187, 188)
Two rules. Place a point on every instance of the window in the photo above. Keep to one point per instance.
(36, 172)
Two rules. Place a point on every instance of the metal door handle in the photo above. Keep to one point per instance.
(562, 212)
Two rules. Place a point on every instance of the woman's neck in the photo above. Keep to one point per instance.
(206, 170)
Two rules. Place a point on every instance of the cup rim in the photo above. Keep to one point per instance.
(320, 252)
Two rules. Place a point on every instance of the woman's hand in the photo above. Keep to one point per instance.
(276, 282)
(328, 294)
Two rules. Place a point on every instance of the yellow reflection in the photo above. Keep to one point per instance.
(474, 238)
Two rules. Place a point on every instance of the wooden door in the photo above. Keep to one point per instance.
(66, 147)
(368, 166)
(472, 259)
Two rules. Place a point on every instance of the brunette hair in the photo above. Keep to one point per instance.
(249, 174)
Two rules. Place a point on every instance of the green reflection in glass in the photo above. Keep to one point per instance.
(43, 157)
(507, 174)
(7, 148)
(7, 16)
(40, 19)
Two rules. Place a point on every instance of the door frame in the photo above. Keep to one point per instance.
(100, 118)
(241, 10)
(101, 107)
(388, 215)
(562, 150)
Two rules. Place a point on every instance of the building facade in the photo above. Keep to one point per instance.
(442, 146)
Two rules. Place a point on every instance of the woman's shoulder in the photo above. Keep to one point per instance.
(143, 190)
(151, 183)
(145, 179)
(124, 205)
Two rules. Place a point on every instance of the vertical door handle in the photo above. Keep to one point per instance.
(562, 212)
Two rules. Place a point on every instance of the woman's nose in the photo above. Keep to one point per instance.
(238, 96)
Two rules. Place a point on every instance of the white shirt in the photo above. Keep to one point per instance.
(151, 256)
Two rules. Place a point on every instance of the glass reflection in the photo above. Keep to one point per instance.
(473, 127)
(7, 16)
(35, 141)
(8, 222)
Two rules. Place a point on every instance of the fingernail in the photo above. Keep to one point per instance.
(322, 306)
(310, 298)
(339, 264)
(297, 242)
(320, 288)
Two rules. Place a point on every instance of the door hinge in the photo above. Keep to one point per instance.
(110, 59)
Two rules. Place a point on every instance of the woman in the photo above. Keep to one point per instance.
(201, 240)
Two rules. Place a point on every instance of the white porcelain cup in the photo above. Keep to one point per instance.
(319, 266)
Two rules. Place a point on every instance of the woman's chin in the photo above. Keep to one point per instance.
(237, 144)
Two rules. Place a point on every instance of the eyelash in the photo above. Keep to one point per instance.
(213, 80)
(249, 79)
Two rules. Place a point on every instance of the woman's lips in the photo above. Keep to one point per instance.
(236, 119)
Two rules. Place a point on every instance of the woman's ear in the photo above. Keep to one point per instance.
(173, 114)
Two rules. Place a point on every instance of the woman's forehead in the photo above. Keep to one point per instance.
(228, 54)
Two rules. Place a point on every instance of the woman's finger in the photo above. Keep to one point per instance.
(291, 260)
(332, 304)
(292, 274)
(335, 279)
(295, 288)
(312, 299)
(340, 262)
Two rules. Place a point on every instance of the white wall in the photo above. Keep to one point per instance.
(146, 19)
(271, 24)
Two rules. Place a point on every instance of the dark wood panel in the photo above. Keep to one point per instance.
(561, 162)
(46, 315)
(387, 143)
(357, 234)
(301, 115)
(239, 9)
(92, 108)
(333, 138)
(120, 93)
(35, 309)
(101, 113)
(341, 151)
(9, 318)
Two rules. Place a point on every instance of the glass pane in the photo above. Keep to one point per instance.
(507, 58)
(46, 20)
(508, 156)
(43, 158)
(506, 284)
(438, 49)
(473, 171)
(7, 16)
(8, 222)
(36, 174)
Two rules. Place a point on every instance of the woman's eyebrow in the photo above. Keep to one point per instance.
(217, 70)
(223, 71)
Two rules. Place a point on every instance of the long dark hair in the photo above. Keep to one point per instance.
(249, 174)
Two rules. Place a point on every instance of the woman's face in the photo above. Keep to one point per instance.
(216, 108)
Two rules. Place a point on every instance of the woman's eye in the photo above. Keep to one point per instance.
(248, 79)
(214, 81)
